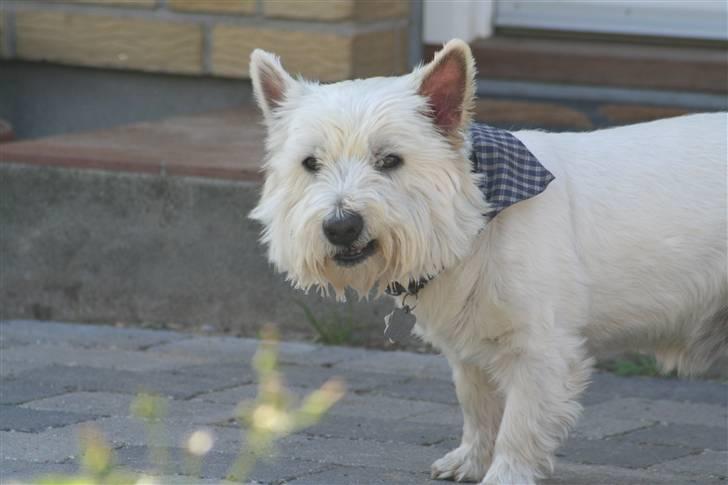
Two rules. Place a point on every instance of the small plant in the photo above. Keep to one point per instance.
(332, 329)
(632, 365)
(97, 464)
(271, 416)
(152, 410)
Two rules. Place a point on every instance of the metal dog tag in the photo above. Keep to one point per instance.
(399, 324)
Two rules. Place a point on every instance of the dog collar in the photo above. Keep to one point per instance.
(510, 174)
(396, 289)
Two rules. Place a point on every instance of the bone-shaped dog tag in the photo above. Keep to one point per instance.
(399, 324)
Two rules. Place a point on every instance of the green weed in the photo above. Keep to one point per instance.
(331, 329)
(632, 365)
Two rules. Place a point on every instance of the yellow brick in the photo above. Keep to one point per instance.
(214, 6)
(316, 55)
(336, 9)
(310, 9)
(117, 3)
(379, 54)
(380, 9)
(121, 42)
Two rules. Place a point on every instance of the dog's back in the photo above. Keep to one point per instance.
(647, 205)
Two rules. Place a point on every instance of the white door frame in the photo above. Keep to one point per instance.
(471, 19)
(696, 19)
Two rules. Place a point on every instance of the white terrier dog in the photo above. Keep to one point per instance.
(369, 183)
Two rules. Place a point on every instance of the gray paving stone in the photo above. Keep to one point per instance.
(12, 368)
(7, 341)
(382, 407)
(688, 435)
(217, 465)
(172, 433)
(434, 390)
(374, 454)
(234, 349)
(179, 383)
(91, 403)
(324, 356)
(575, 474)
(450, 443)
(600, 421)
(195, 380)
(622, 453)
(233, 395)
(138, 459)
(24, 471)
(200, 412)
(112, 404)
(357, 427)
(424, 366)
(450, 416)
(54, 445)
(14, 418)
(187, 480)
(646, 410)
(247, 392)
(283, 469)
(70, 379)
(106, 336)
(347, 475)
(606, 386)
(18, 390)
(49, 354)
(220, 348)
(708, 464)
(311, 377)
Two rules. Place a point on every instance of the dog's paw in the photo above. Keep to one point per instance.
(463, 464)
(503, 472)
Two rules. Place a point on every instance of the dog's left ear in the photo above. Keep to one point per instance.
(448, 83)
(271, 83)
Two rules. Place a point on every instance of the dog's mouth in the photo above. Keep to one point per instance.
(352, 256)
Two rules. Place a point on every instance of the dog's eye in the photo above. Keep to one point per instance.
(389, 162)
(310, 164)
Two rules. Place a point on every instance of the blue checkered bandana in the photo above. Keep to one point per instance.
(510, 172)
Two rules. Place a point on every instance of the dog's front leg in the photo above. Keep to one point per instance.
(542, 381)
(482, 409)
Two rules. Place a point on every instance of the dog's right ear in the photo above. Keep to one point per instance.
(271, 83)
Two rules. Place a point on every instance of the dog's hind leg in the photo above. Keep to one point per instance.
(482, 407)
(708, 343)
(542, 381)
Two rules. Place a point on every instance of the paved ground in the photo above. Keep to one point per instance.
(399, 415)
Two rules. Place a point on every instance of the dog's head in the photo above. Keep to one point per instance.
(368, 182)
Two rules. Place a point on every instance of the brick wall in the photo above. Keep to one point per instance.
(323, 39)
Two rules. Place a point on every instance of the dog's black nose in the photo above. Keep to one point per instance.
(344, 229)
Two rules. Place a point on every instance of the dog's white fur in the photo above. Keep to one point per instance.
(626, 248)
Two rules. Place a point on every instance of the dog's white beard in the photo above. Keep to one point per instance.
(403, 254)
(395, 260)
(419, 231)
